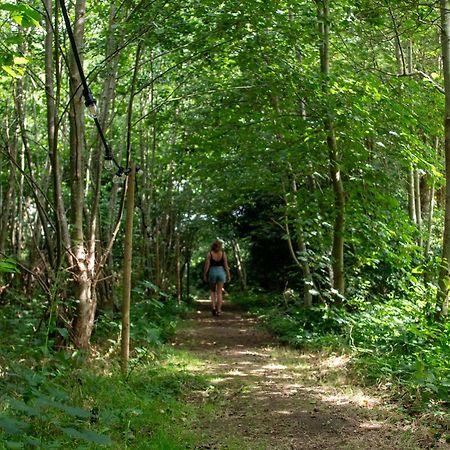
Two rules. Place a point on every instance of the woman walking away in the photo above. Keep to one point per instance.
(216, 264)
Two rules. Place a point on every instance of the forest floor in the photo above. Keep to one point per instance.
(265, 396)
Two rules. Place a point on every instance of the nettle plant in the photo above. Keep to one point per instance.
(37, 412)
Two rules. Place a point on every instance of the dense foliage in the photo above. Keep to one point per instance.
(308, 135)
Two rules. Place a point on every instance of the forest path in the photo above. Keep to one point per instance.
(266, 396)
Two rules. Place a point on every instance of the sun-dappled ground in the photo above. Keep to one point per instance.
(265, 396)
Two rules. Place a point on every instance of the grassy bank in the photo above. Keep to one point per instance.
(60, 398)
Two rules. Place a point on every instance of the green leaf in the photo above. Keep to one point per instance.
(18, 405)
(9, 7)
(8, 265)
(20, 60)
(70, 410)
(13, 445)
(10, 72)
(87, 435)
(11, 426)
(63, 332)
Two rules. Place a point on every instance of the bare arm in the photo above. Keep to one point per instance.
(206, 268)
(225, 265)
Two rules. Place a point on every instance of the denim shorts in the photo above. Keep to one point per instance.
(217, 274)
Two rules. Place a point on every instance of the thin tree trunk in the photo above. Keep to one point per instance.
(430, 219)
(9, 195)
(158, 281)
(106, 100)
(178, 268)
(411, 196)
(302, 262)
(444, 273)
(242, 275)
(20, 219)
(418, 206)
(188, 274)
(127, 266)
(431, 209)
(337, 252)
(52, 96)
(83, 264)
(413, 190)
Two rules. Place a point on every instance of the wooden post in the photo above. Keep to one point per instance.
(178, 268)
(188, 274)
(128, 253)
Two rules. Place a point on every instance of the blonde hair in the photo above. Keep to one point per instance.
(216, 246)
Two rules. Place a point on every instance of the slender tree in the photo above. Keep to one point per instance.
(334, 154)
(444, 274)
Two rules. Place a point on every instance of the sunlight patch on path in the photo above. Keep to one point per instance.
(270, 397)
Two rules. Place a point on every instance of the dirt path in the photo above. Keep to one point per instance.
(269, 397)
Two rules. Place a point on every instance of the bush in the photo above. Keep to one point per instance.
(391, 340)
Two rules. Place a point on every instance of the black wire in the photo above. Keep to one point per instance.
(89, 99)
(74, 48)
(108, 152)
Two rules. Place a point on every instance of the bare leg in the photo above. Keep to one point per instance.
(213, 288)
(219, 287)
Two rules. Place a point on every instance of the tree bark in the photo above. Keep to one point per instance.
(444, 273)
(418, 206)
(9, 195)
(430, 211)
(96, 233)
(242, 274)
(127, 266)
(178, 275)
(411, 196)
(52, 96)
(84, 258)
(334, 155)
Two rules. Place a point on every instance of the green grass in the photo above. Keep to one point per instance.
(65, 400)
(87, 408)
(393, 341)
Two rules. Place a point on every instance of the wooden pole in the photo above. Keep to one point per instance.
(128, 253)
(178, 268)
(188, 275)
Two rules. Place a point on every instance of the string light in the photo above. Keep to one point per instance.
(117, 178)
(108, 163)
(91, 104)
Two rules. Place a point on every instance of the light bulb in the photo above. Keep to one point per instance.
(108, 163)
(92, 110)
(117, 178)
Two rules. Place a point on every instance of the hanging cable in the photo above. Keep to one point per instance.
(89, 100)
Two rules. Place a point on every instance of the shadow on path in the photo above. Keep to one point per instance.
(272, 397)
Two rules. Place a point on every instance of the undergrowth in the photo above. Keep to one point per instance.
(59, 398)
(392, 342)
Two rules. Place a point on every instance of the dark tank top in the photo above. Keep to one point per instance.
(215, 263)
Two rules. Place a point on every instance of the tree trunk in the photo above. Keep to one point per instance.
(9, 195)
(52, 98)
(84, 257)
(242, 275)
(188, 274)
(127, 267)
(411, 196)
(430, 219)
(444, 273)
(334, 155)
(97, 234)
(178, 269)
(430, 209)
(418, 206)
